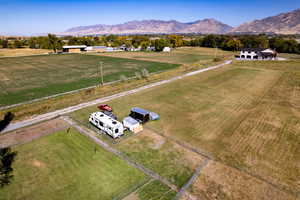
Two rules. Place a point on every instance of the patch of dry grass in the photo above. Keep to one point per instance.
(22, 52)
(220, 182)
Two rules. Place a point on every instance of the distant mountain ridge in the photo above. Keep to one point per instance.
(153, 27)
(284, 23)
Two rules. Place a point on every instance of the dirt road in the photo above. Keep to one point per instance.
(51, 115)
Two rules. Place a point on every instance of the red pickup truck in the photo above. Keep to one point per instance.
(105, 107)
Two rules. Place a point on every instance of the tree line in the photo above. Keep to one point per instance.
(282, 44)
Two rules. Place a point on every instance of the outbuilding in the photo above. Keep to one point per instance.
(96, 48)
(74, 48)
(132, 124)
(140, 114)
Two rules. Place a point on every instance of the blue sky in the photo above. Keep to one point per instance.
(33, 16)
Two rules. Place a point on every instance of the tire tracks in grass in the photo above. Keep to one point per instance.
(209, 157)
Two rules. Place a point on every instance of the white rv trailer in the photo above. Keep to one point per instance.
(107, 124)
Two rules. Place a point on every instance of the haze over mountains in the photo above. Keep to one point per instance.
(153, 26)
(285, 23)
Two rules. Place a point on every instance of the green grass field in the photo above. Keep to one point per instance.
(31, 77)
(69, 166)
(247, 115)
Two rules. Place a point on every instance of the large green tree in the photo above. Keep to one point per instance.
(7, 157)
(54, 42)
(160, 44)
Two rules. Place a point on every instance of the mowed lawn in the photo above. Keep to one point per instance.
(246, 115)
(31, 77)
(69, 166)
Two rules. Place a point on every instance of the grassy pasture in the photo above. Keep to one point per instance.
(246, 115)
(30, 77)
(153, 190)
(183, 55)
(69, 166)
(162, 156)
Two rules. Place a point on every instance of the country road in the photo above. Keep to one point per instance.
(54, 114)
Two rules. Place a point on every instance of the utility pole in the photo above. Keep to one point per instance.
(216, 51)
(101, 72)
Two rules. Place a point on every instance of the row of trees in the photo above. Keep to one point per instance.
(235, 43)
(225, 42)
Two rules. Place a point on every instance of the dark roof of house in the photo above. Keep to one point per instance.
(253, 49)
(266, 54)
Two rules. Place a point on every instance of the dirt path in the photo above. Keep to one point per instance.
(91, 134)
(30, 133)
(51, 115)
(192, 180)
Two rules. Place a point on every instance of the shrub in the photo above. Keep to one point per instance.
(123, 78)
(138, 75)
(218, 59)
(145, 73)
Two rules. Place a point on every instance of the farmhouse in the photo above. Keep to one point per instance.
(74, 48)
(257, 54)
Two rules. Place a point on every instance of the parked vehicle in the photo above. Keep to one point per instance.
(105, 107)
(140, 115)
(110, 114)
(107, 124)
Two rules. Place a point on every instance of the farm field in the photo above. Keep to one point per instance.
(31, 77)
(246, 116)
(23, 52)
(67, 165)
(182, 55)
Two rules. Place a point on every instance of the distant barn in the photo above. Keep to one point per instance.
(74, 48)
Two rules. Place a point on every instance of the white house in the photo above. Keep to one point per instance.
(107, 124)
(257, 54)
(167, 49)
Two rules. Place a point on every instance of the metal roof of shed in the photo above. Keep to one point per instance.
(140, 110)
(74, 46)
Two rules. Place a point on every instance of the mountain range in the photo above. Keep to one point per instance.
(285, 23)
